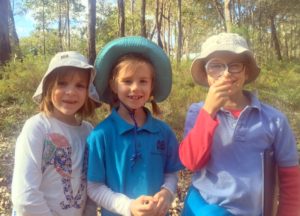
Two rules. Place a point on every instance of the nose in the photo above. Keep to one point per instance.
(70, 89)
(134, 86)
(226, 73)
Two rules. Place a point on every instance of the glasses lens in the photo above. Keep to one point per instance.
(235, 67)
(215, 68)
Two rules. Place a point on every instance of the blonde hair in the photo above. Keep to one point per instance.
(51, 82)
(130, 62)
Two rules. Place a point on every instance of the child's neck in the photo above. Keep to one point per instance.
(70, 120)
(237, 102)
(139, 115)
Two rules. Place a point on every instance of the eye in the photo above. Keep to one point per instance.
(62, 83)
(81, 85)
(126, 81)
(144, 81)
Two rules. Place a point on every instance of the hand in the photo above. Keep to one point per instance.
(164, 198)
(217, 96)
(143, 206)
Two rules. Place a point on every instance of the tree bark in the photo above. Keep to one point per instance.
(275, 38)
(179, 39)
(220, 12)
(68, 25)
(14, 36)
(143, 21)
(92, 31)
(227, 13)
(158, 19)
(132, 16)
(5, 48)
(121, 8)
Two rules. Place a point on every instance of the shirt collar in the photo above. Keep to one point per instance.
(254, 102)
(123, 126)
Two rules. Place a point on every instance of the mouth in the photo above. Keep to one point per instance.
(135, 97)
(71, 102)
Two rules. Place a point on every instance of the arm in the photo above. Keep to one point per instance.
(194, 150)
(27, 198)
(289, 191)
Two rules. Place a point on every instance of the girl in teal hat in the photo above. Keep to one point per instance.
(133, 157)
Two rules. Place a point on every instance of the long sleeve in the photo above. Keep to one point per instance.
(27, 199)
(289, 191)
(170, 182)
(194, 150)
(106, 198)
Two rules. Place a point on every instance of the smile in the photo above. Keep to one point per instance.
(135, 97)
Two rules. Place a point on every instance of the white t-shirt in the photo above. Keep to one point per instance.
(50, 168)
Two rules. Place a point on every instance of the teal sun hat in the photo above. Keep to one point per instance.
(111, 52)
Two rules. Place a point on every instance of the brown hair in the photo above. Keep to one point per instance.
(130, 62)
(51, 82)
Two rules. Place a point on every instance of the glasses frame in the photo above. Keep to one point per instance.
(226, 68)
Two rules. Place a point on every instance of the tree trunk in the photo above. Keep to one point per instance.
(132, 16)
(44, 26)
(220, 12)
(227, 13)
(179, 39)
(14, 36)
(158, 23)
(121, 8)
(92, 31)
(68, 25)
(275, 38)
(5, 48)
(143, 22)
(60, 35)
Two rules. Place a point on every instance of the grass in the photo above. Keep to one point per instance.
(278, 85)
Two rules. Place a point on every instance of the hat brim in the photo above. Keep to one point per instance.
(117, 48)
(198, 67)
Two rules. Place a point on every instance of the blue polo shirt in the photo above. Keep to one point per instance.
(112, 144)
(233, 177)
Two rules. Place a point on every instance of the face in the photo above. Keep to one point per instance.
(227, 67)
(134, 88)
(69, 94)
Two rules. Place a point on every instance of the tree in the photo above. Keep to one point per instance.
(158, 21)
(142, 19)
(91, 31)
(121, 8)
(227, 15)
(5, 48)
(179, 39)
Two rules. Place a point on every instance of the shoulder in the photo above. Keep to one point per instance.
(37, 122)
(195, 108)
(272, 113)
(106, 126)
(87, 125)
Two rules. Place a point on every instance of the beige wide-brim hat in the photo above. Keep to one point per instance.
(228, 42)
(68, 59)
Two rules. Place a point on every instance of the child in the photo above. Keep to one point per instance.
(50, 161)
(133, 157)
(227, 134)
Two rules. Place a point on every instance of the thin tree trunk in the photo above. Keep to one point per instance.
(169, 29)
(14, 35)
(68, 25)
(275, 38)
(227, 14)
(143, 22)
(158, 23)
(132, 16)
(179, 39)
(121, 8)
(220, 12)
(60, 35)
(92, 31)
(44, 26)
(5, 48)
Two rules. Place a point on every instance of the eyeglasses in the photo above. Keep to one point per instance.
(216, 68)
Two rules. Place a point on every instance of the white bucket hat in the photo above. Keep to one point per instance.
(68, 59)
(229, 42)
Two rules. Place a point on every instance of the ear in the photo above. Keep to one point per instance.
(113, 86)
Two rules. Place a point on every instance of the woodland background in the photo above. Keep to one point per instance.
(271, 27)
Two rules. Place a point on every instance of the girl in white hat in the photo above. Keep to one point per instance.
(50, 158)
(227, 135)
